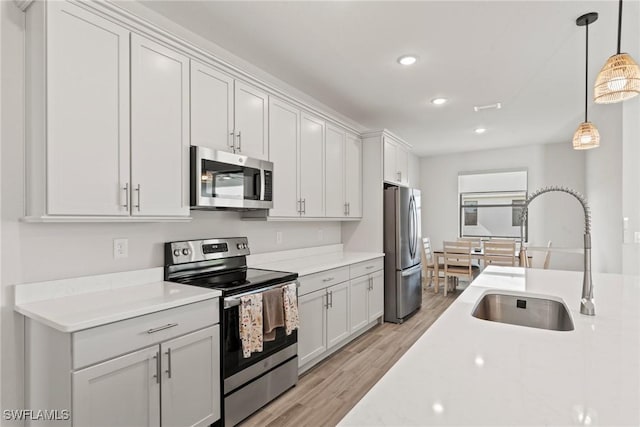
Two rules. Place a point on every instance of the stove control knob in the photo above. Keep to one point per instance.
(246, 246)
(186, 251)
(176, 252)
(239, 245)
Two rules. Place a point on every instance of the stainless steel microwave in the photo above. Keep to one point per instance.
(223, 180)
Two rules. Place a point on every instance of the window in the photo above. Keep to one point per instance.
(490, 203)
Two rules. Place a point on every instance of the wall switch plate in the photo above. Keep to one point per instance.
(120, 248)
(278, 237)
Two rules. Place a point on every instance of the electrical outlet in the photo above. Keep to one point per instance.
(278, 237)
(120, 248)
(320, 234)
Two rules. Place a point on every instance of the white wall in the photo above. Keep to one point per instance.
(555, 217)
(631, 185)
(35, 252)
(604, 189)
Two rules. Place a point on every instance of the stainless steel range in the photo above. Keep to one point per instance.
(247, 383)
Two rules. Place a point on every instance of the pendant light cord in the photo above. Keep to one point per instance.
(619, 24)
(586, 75)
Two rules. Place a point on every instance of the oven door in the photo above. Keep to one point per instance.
(227, 180)
(237, 370)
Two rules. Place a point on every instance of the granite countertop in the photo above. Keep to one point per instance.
(467, 371)
(306, 265)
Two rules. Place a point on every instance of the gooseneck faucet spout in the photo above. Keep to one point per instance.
(587, 304)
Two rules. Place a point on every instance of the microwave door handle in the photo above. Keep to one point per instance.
(262, 186)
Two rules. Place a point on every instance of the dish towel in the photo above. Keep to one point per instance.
(272, 312)
(291, 320)
(251, 323)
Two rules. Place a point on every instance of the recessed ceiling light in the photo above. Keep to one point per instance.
(480, 130)
(439, 101)
(407, 59)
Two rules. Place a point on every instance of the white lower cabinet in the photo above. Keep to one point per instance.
(338, 314)
(337, 305)
(168, 375)
(367, 299)
(312, 331)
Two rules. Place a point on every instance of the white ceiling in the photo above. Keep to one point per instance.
(528, 55)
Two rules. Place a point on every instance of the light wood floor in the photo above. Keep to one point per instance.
(326, 393)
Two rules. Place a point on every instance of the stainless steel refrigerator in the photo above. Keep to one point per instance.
(402, 239)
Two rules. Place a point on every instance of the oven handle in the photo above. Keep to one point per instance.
(234, 301)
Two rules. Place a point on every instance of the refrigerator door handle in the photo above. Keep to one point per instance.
(411, 270)
(412, 228)
(415, 229)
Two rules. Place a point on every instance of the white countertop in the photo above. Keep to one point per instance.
(313, 264)
(73, 307)
(467, 371)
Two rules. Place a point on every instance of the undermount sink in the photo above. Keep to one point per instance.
(534, 312)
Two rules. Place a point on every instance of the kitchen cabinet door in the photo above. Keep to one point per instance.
(389, 153)
(312, 165)
(312, 331)
(191, 379)
(338, 327)
(124, 391)
(359, 302)
(402, 164)
(376, 295)
(284, 133)
(353, 176)
(87, 113)
(334, 173)
(251, 121)
(211, 108)
(159, 129)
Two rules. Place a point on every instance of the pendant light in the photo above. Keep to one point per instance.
(587, 135)
(619, 79)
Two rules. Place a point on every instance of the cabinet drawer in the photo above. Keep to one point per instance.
(316, 281)
(366, 267)
(103, 342)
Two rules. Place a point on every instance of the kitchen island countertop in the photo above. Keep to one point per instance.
(467, 371)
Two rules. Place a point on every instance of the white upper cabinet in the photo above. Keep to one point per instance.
(251, 121)
(87, 112)
(334, 173)
(353, 175)
(396, 162)
(312, 131)
(211, 108)
(414, 171)
(159, 130)
(284, 137)
(108, 113)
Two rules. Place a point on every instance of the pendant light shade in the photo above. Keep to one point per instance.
(619, 79)
(587, 135)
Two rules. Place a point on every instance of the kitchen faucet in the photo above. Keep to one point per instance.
(587, 304)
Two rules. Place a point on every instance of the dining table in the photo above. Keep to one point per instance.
(477, 253)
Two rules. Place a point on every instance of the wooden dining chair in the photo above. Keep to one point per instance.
(541, 257)
(499, 253)
(476, 245)
(457, 262)
(428, 263)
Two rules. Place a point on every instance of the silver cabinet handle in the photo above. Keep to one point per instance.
(331, 294)
(326, 297)
(349, 208)
(368, 267)
(232, 143)
(304, 206)
(239, 141)
(299, 203)
(157, 375)
(370, 283)
(126, 195)
(161, 328)
(345, 209)
(168, 353)
(137, 189)
(328, 279)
